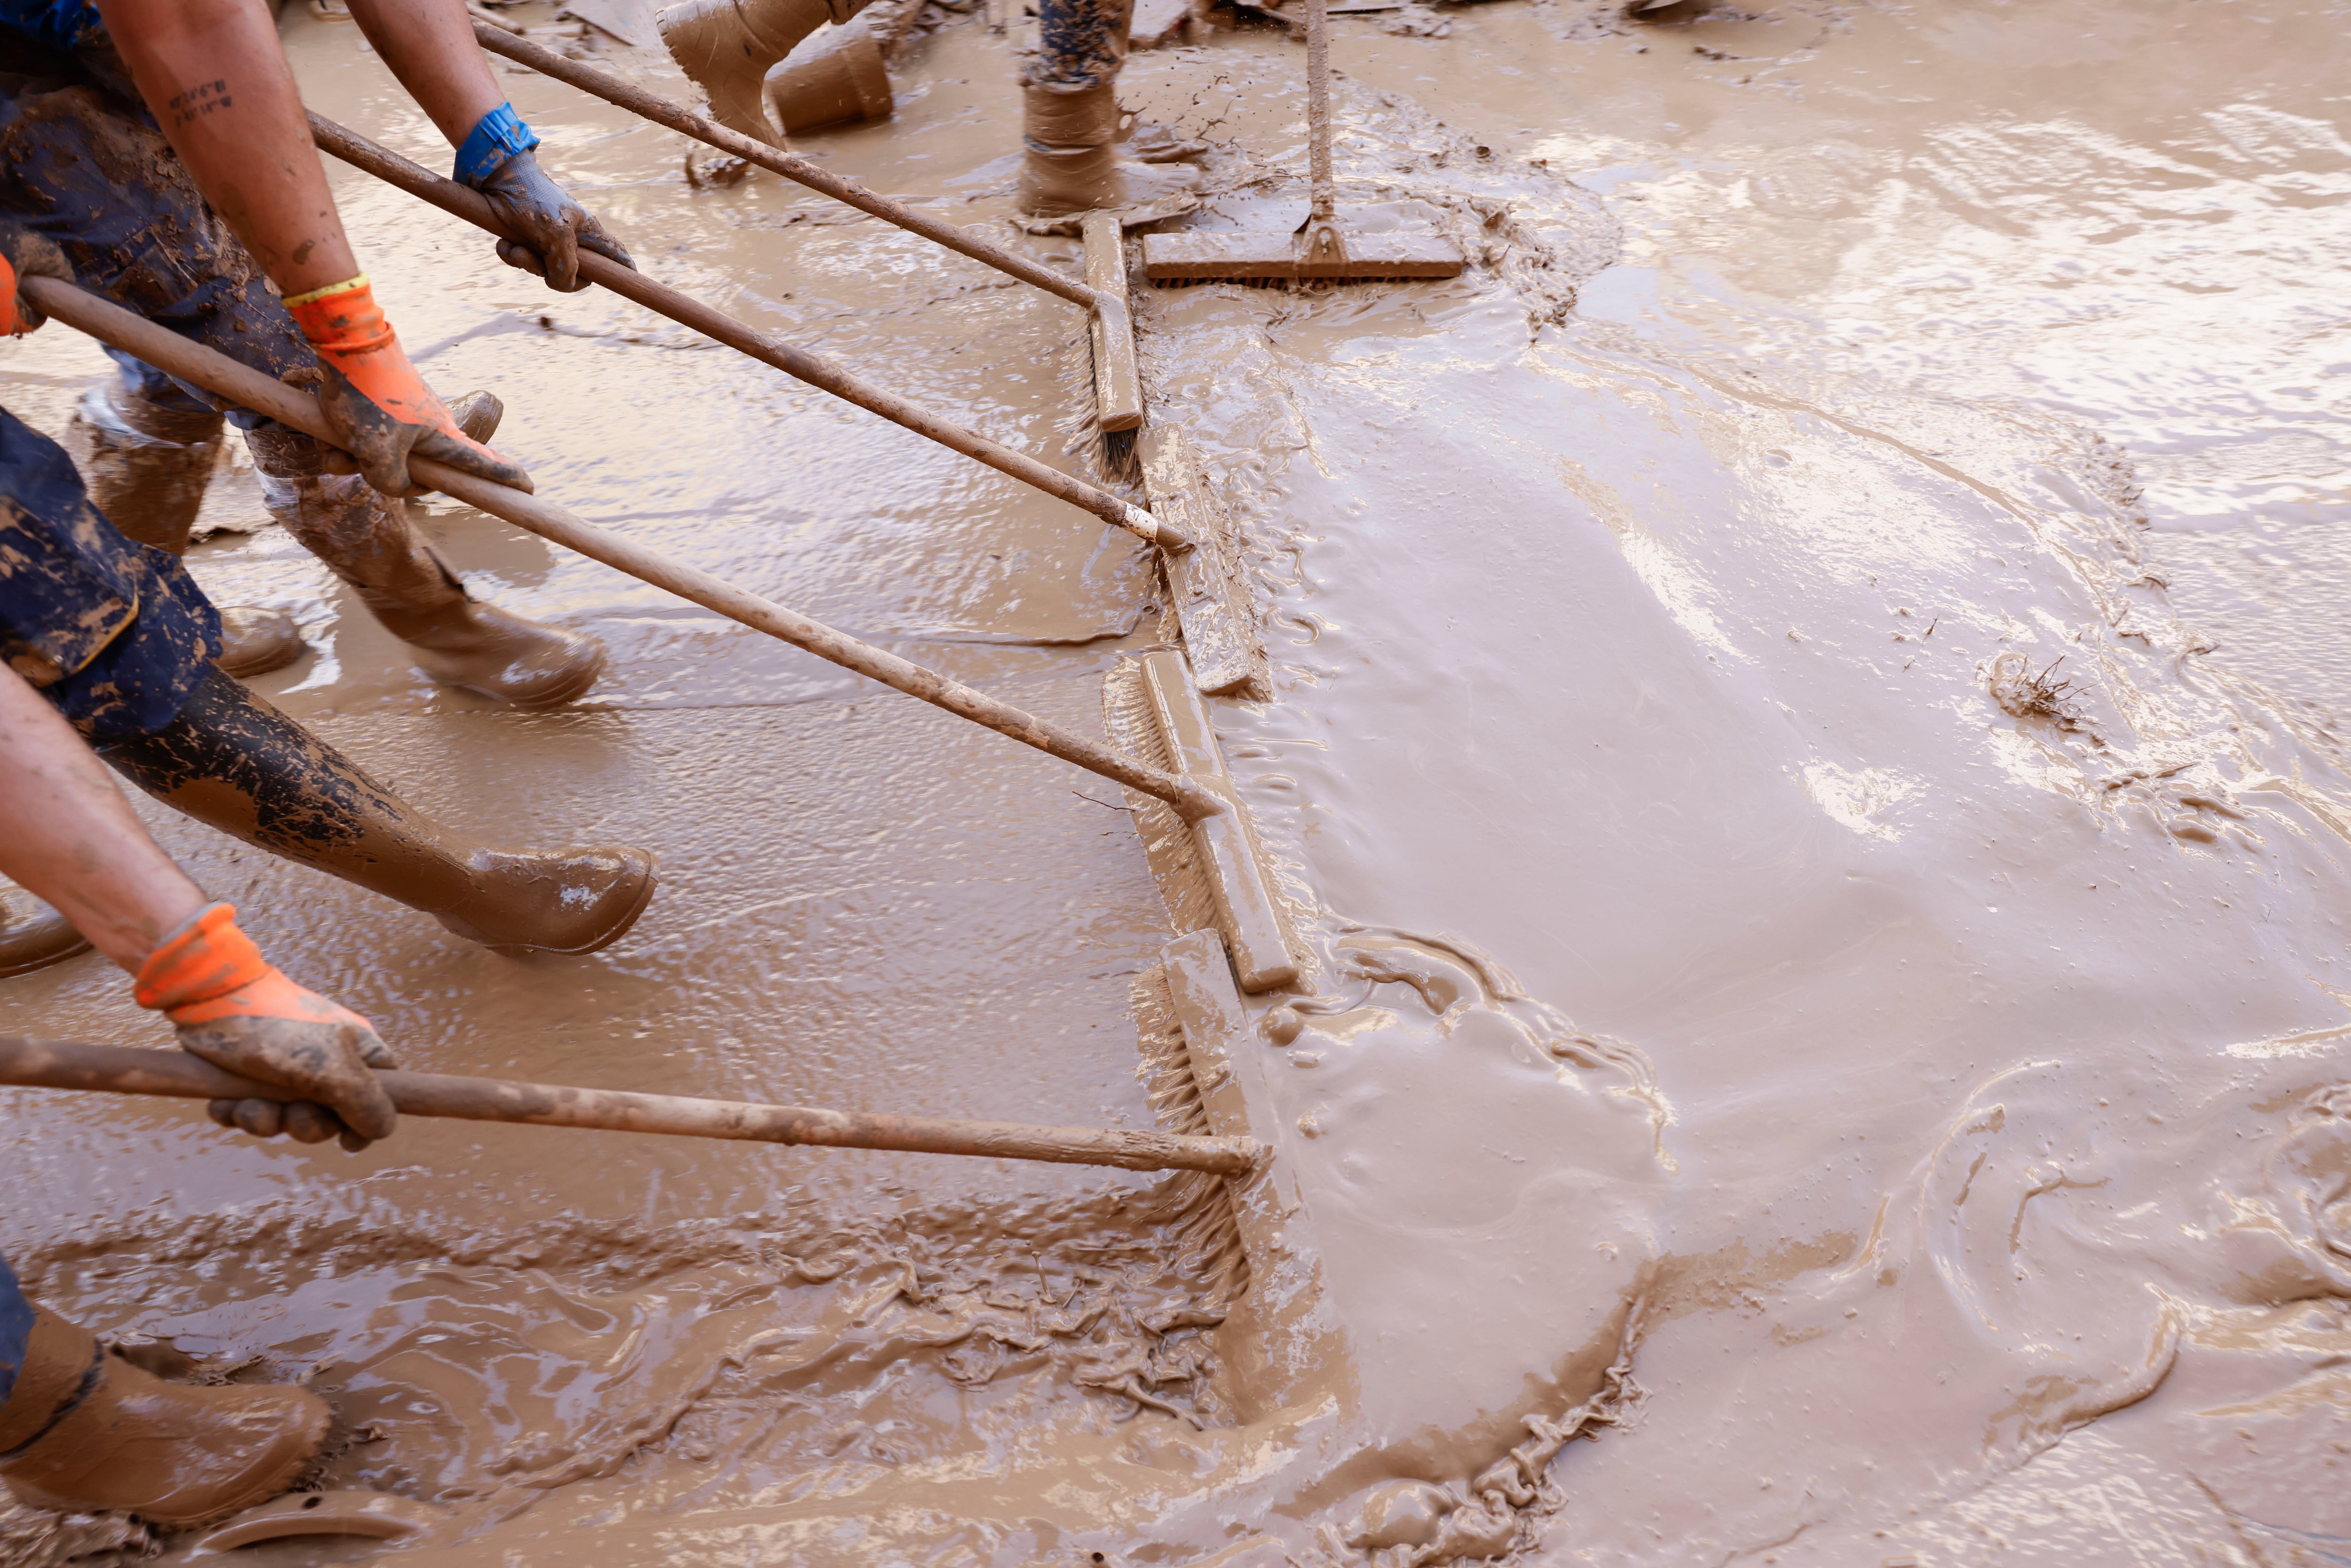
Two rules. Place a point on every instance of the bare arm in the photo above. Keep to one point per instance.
(430, 47)
(74, 840)
(218, 81)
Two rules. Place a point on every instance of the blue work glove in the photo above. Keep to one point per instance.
(547, 227)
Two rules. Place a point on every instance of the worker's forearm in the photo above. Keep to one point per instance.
(430, 47)
(73, 840)
(216, 81)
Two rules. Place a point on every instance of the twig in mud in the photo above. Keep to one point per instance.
(2025, 693)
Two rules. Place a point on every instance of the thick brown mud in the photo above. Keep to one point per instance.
(1883, 1086)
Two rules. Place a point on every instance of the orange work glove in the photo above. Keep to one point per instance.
(25, 253)
(380, 408)
(238, 1011)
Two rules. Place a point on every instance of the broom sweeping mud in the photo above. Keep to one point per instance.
(1195, 791)
(1204, 585)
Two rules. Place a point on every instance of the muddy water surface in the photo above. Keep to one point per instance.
(1897, 1111)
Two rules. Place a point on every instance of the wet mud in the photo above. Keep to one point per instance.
(1804, 766)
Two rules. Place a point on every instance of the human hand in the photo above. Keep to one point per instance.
(548, 227)
(379, 408)
(238, 1011)
(25, 253)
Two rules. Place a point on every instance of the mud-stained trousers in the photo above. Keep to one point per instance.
(82, 162)
(114, 632)
(1080, 43)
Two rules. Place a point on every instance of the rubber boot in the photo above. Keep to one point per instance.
(83, 1431)
(843, 83)
(728, 46)
(1073, 163)
(367, 541)
(232, 762)
(32, 935)
(147, 467)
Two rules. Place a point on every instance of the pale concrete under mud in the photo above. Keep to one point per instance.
(1645, 647)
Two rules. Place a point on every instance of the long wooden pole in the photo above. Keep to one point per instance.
(814, 369)
(215, 372)
(111, 1069)
(790, 165)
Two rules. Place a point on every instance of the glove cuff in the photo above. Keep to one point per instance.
(496, 137)
(205, 958)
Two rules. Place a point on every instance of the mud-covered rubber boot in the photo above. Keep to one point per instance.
(32, 935)
(147, 467)
(1071, 162)
(232, 761)
(728, 46)
(367, 541)
(845, 82)
(84, 1430)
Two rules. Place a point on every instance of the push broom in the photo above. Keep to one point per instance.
(1321, 250)
(68, 1066)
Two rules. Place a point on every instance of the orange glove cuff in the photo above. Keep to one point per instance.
(10, 325)
(209, 970)
(347, 329)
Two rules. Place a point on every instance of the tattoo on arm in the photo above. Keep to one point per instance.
(190, 104)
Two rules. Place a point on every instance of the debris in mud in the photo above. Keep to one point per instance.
(36, 1538)
(1418, 22)
(2023, 692)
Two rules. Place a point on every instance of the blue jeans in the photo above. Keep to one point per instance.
(15, 1328)
(115, 633)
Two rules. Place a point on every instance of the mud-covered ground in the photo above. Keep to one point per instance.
(1890, 1097)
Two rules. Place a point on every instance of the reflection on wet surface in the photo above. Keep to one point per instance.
(1894, 1107)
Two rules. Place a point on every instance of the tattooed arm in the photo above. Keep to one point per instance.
(215, 76)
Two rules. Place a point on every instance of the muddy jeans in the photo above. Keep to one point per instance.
(115, 633)
(82, 162)
(1080, 43)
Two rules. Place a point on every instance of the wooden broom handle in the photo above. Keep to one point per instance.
(116, 1069)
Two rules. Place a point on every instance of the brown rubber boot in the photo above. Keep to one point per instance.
(235, 763)
(32, 935)
(83, 1431)
(843, 83)
(1073, 163)
(728, 46)
(367, 541)
(146, 468)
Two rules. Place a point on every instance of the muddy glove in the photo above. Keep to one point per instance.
(25, 253)
(378, 407)
(238, 1011)
(548, 226)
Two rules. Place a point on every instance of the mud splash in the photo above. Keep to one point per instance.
(1902, 1115)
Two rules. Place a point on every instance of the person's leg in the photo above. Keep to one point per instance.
(122, 642)
(728, 46)
(1071, 161)
(91, 173)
